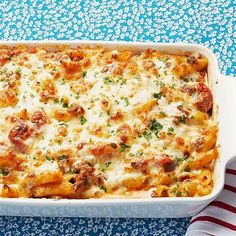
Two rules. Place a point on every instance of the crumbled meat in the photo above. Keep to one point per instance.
(76, 110)
(141, 165)
(39, 118)
(18, 134)
(205, 100)
(167, 162)
(84, 178)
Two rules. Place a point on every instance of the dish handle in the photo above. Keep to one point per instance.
(227, 116)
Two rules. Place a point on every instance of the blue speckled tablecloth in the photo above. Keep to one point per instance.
(208, 22)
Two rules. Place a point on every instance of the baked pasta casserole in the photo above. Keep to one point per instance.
(96, 123)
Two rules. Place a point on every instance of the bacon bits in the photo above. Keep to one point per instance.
(18, 134)
(39, 118)
(125, 133)
(76, 110)
(167, 162)
(141, 165)
(84, 178)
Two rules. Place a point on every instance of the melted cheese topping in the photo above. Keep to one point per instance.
(92, 123)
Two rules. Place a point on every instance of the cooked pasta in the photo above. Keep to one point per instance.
(96, 123)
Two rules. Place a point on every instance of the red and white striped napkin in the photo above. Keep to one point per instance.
(219, 217)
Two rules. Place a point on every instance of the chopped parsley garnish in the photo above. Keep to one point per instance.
(164, 147)
(112, 132)
(126, 101)
(107, 80)
(123, 147)
(83, 120)
(107, 164)
(62, 157)
(77, 95)
(70, 171)
(178, 194)
(176, 191)
(163, 59)
(147, 135)
(187, 169)
(160, 83)
(170, 131)
(63, 123)
(84, 73)
(163, 114)
(138, 154)
(113, 145)
(155, 126)
(185, 79)
(18, 70)
(179, 160)
(63, 81)
(89, 164)
(158, 95)
(120, 81)
(49, 158)
(103, 188)
(3, 172)
(65, 105)
(183, 119)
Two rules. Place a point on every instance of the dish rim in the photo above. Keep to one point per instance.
(125, 201)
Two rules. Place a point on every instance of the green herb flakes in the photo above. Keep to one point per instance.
(170, 131)
(48, 158)
(187, 169)
(103, 188)
(155, 126)
(126, 100)
(158, 95)
(84, 73)
(107, 164)
(18, 70)
(182, 119)
(83, 120)
(107, 80)
(62, 157)
(3, 172)
(123, 147)
(147, 135)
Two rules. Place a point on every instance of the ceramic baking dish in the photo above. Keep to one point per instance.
(224, 92)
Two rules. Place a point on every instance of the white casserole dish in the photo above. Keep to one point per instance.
(224, 92)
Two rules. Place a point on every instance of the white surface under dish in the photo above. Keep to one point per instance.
(224, 92)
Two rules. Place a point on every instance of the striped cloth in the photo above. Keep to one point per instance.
(219, 217)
